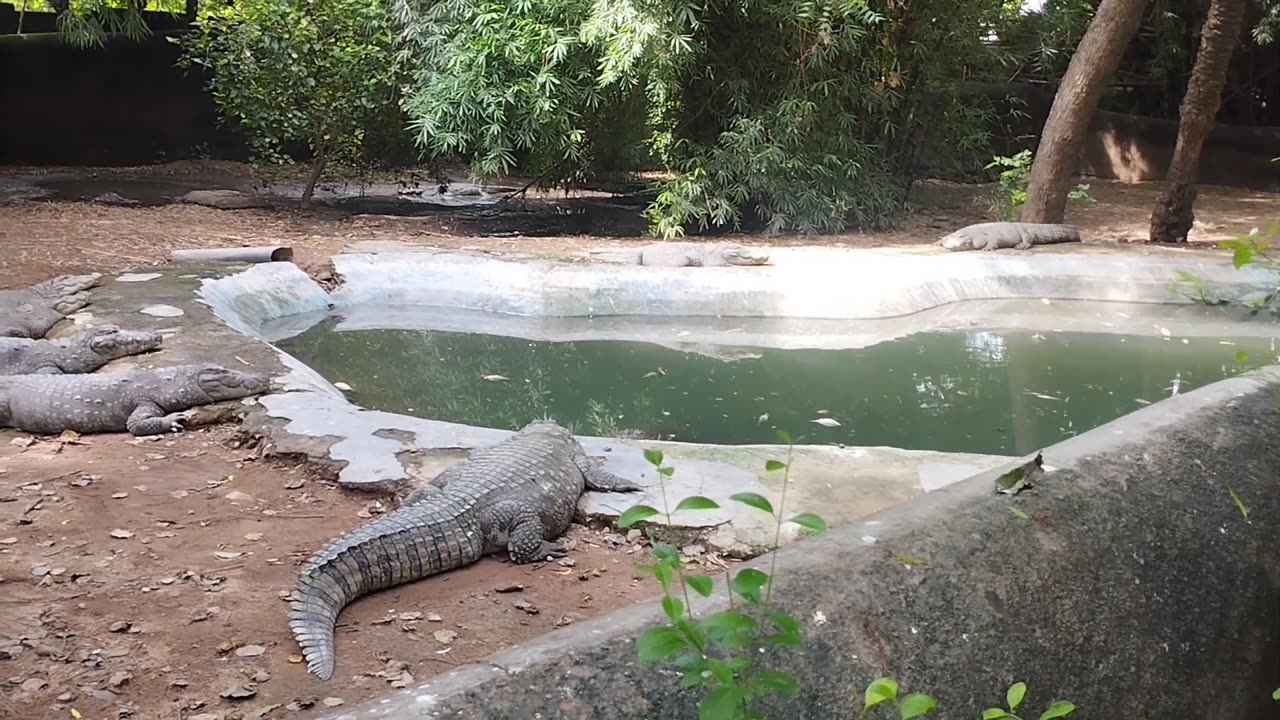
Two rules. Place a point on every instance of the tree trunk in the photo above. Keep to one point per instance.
(1094, 62)
(1173, 215)
(317, 169)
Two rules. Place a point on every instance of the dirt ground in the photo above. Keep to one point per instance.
(143, 578)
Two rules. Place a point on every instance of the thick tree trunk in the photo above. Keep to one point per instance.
(1173, 216)
(1094, 62)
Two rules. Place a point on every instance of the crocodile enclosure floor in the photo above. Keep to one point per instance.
(141, 577)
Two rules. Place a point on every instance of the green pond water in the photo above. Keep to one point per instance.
(984, 392)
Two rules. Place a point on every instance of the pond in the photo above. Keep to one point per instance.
(979, 391)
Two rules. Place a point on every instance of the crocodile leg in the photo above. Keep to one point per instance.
(599, 479)
(526, 539)
(149, 419)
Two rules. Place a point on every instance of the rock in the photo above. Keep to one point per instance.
(513, 587)
(250, 651)
(120, 534)
(332, 701)
(205, 716)
(136, 277)
(295, 658)
(253, 537)
(119, 495)
(526, 606)
(66, 697)
(240, 692)
(120, 626)
(34, 684)
(40, 570)
(261, 676)
(162, 311)
(111, 198)
(8, 540)
(410, 616)
(119, 678)
(238, 496)
(433, 617)
(444, 637)
(223, 199)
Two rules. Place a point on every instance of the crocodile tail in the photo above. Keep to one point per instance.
(411, 543)
(63, 287)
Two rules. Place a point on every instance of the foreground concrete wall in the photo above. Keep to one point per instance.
(1137, 590)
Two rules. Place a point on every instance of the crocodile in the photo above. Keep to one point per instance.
(141, 401)
(514, 496)
(84, 352)
(1004, 235)
(685, 254)
(31, 312)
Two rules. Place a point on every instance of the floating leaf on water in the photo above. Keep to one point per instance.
(495, 378)
(826, 422)
(654, 373)
(342, 386)
(1244, 511)
(762, 419)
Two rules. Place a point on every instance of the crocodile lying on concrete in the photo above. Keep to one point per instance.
(513, 496)
(31, 312)
(1004, 235)
(143, 402)
(685, 254)
(79, 354)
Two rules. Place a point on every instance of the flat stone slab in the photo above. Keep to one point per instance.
(223, 199)
(136, 277)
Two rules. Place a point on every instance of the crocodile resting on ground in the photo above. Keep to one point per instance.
(514, 496)
(1005, 235)
(143, 402)
(31, 312)
(685, 254)
(79, 354)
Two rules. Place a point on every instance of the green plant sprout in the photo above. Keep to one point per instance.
(720, 652)
(1014, 696)
(1013, 178)
(885, 690)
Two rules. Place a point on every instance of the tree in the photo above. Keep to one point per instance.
(799, 115)
(1174, 214)
(1094, 62)
(319, 72)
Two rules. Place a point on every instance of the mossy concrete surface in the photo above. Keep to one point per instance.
(1131, 583)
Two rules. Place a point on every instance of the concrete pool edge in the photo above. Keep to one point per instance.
(1132, 540)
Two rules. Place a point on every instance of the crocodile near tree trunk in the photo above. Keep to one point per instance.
(79, 354)
(143, 402)
(514, 496)
(32, 312)
(1005, 235)
(685, 254)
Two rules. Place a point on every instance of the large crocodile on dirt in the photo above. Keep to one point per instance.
(31, 312)
(1005, 235)
(143, 402)
(514, 496)
(82, 353)
(685, 254)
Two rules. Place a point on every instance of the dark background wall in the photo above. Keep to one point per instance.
(122, 104)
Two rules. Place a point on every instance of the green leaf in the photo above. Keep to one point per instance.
(723, 703)
(1013, 697)
(697, 502)
(665, 575)
(775, 681)
(673, 607)
(754, 500)
(666, 471)
(748, 583)
(727, 624)
(915, 705)
(701, 584)
(773, 465)
(653, 456)
(1061, 708)
(882, 690)
(657, 644)
(1244, 511)
(1241, 356)
(666, 553)
(785, 437)
(1275, 695)
(635, 514)
(994, 714)
(1019, 513)
(809, 521)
